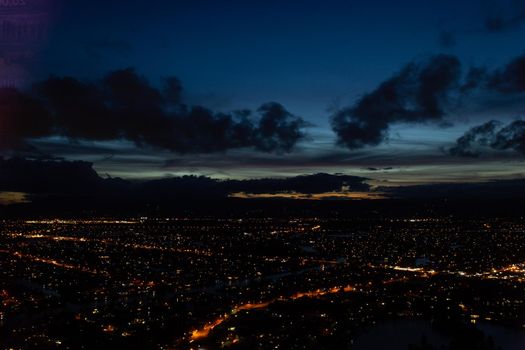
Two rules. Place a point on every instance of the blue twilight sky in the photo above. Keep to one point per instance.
(313, 57)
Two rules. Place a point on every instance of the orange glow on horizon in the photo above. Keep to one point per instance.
(343, 195)
(9, 198)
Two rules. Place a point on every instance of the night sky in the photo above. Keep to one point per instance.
(410, 92)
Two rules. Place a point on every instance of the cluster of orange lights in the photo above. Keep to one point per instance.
(206, 329)
(203, 332)
(52, 262)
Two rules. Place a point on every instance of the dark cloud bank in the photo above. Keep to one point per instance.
(77, 183)
(416, 94)
(495, 135)
(74, 188)
(429, 92)
(124, 105)
(492, 135)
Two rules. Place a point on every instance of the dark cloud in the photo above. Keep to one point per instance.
(427, 92)
(126, 106)
(468, 144)
(509, 79)
(278, 129)
(475, 77)
(21, 117)
(79, 178)
(494, 135)
(418, 93)
(317, 183)
(378, 169)
(41, 177)
(512, 137)
(202, 187)
(484, 191)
